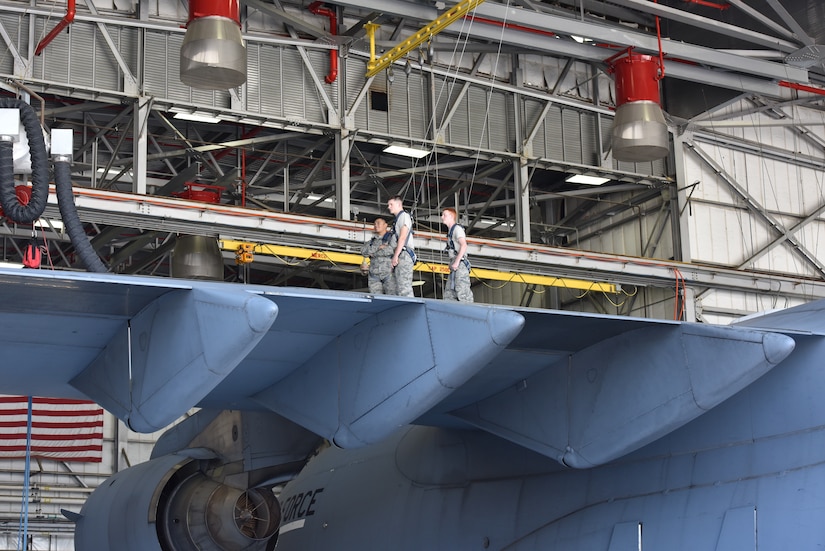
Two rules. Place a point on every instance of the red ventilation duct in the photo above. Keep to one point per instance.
(213, 53)
(639, 129)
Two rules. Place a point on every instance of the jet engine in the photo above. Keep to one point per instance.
(170, 504)
(206, 488)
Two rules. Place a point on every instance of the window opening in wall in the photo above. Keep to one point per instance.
(379, 101)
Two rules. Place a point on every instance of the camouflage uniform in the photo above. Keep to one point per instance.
(458, 282)
(380, 250)
(403, 274)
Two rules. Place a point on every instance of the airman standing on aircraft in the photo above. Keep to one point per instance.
(458, 282)
(403, 258)
(380, 250)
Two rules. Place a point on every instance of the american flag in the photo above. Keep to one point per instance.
(62, 429)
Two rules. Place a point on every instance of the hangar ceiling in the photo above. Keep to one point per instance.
(767, 51)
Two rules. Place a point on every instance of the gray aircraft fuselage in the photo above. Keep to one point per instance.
(747, 475)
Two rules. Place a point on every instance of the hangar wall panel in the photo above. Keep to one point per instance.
(758, 203)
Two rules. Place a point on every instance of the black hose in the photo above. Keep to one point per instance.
(24, 214)
(72, 223)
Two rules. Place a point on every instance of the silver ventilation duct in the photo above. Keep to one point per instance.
(197, 257)
(213, 53)
(639, 132)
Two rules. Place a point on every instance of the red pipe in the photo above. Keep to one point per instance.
(62, 24)
(513, 26)
(708, 4)
(316, 8)
(802, 87)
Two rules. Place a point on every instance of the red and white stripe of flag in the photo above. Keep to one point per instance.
(62, 429)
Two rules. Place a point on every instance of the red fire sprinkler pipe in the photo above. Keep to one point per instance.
(62, 24)
(316, 8)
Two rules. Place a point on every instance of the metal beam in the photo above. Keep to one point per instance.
(159, 213)
(340, 258)
(759, 211)
(713, 25)
(620, 36)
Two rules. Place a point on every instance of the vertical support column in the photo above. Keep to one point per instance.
(521, 174)
(681, 228)
(343, 206)
(679, 222)
(343, 146)
(521, 181)
(139, 145)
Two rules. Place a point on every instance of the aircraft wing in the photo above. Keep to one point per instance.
(353, 368)
(586, 389)
(347, 366)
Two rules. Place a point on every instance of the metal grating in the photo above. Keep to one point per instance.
(54, 63)
(292, 72)
(253, 80)
(14, 26)
(588, 140)
(82, 69)
(174, 87)
(155, 54)
(571, 136)
(315, 108)
(553, 136)
(399, 113)
(107, 73)
(271, 85)
(417, 103)
(476, 101)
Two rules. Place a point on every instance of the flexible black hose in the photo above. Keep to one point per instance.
(72, 223)
(24, 214)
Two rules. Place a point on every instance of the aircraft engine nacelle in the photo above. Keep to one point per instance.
(169, 504)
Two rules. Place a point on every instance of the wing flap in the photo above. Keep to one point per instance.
(620, 393)
(174, 352)
(389, 369)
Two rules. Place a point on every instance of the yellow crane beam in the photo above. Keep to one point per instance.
(352, 259)
(375, 66)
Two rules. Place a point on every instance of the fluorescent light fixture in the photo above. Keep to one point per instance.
(413, 152)
(587, 180)
(4, 264)
(49, 224)
(197, 117)
(125, 177)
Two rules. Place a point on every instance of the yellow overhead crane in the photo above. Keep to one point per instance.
(245, 250)
(375, 66)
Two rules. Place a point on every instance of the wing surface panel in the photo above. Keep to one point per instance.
(805, 318)
(390, 368)
(353, 368)
(306, 323)
(600, 402)
(55, 323)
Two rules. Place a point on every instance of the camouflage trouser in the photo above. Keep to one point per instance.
(458, 284)
(403, 275)
(381, 281)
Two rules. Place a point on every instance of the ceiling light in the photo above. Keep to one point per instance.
(587, 180)
(50, 224)
(197, 117)
(407, 151)
(4, 264)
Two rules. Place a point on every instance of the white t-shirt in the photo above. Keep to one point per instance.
(404, 219)
(458, 234)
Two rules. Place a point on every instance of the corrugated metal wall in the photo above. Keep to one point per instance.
(771, 172)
